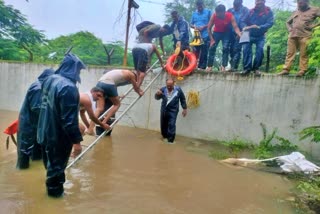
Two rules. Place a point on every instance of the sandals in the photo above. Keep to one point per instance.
(209, 69)
(284, 72)
(300, 73)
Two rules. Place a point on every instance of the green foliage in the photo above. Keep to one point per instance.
(308, 192)
(236, 146)
(312, 132)
(185, 8)
(11, 50)
(277, 39)
(88, 48)
(14, 26)
(284, 145)
(315, 3)
(272, 145)
(314, 51)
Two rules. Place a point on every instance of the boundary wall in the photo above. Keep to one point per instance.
(232, 106)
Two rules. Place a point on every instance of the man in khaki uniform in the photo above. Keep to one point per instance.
(300, 26)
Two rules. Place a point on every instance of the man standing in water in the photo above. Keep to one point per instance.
(27, 145)
(58, 127)
(170, 95)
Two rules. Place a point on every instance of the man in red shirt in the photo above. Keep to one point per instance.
(223, 22)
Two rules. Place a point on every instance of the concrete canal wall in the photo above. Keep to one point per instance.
(231, 105)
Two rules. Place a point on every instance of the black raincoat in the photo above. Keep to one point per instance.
(28, 121)
(58, 127)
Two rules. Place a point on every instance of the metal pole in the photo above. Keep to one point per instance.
(268, 58)
(127, 34)
(113, 124)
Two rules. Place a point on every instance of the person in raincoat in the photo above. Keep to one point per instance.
(170, 95)
(27, 145)
(58, 127)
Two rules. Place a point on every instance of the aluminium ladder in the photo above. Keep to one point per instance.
(127, 108)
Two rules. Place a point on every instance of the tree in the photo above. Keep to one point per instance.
(277, 38)
(117, 56)
(88, 48)
(10, 50)
(185, 8)
(14, 26)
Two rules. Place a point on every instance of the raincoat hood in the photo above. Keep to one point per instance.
(46, 73)
(70, 68)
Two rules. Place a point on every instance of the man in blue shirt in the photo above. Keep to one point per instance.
(180, 31)
(259, 21)
(199, 21)
(240, 14)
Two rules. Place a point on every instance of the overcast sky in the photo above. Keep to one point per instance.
(105, 18)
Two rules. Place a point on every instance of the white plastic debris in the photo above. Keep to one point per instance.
(296, 162)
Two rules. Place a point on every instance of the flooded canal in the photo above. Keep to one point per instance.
(135, 172)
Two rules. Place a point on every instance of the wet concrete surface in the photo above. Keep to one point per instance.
(133, 171)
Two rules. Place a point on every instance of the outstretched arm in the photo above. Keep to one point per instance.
(88, 108)
(183, 103)
(235, 26)
(135, 85)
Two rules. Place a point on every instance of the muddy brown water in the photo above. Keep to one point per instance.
(135, 172)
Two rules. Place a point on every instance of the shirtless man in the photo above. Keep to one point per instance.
(109, 83)
(87, 104)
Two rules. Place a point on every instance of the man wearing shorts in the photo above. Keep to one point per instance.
(142, 53)
(109, 83)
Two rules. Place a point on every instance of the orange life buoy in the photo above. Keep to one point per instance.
(191, 64)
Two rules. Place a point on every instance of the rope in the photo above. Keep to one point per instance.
(177, 52)
(193, 100)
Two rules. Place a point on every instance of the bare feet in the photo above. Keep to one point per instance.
(209, 69)
(77, 149)
(89, 132)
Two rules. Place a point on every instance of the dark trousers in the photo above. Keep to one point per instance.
(202, 52)
(225, 38)
(55, 160)
(27, 147)
(168, 125)
(235, 51)
(247, 54)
